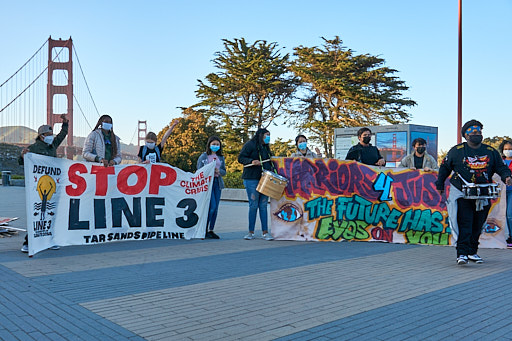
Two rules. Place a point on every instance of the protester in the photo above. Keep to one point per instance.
(213, 153)
(419, 159)
(506, 150)
(102, 145)
(255, 156)
(364, 152)
(471, 162)
(301, 142)
(152, 152)
(46, 144)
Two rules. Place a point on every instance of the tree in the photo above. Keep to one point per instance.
(343, 89)
(187, 141)
(496, 141)
(282, 148)
(252, 86)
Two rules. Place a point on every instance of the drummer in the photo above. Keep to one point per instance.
(301, 142)
(471, 162)
(255, 156)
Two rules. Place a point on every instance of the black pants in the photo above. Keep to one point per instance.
(470, 223)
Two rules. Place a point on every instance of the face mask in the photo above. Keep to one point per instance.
(420, 150)
(475, 139)
(150, 145)
(303, 145)
(267, 139)
(48, 139)
(106, 126)
(507, 152)
(367, 139)
(214, 148)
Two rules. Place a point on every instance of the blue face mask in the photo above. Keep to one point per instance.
(214, 148)
(106, 126)
(303, 145)
(267, 139)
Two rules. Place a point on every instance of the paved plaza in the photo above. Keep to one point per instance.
(235, 289)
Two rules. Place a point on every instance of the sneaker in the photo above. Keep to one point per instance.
(475, 258)
(267, 236)
(54, 247)
(211, 235)
(249, 236)
(509, 243)
(24, 248)
(462, 260)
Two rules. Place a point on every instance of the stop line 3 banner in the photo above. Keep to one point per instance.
(334, 200)
(78, 203)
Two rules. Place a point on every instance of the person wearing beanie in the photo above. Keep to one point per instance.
(471, 162)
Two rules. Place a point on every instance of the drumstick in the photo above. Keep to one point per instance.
(252, 164)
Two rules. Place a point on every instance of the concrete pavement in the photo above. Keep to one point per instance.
(233, 289)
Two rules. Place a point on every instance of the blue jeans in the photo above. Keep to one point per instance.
(509, 213)
(214, 204)
(256, 200)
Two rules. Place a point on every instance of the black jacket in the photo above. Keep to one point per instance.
(474, 165)
(368, 155)
(252, 151)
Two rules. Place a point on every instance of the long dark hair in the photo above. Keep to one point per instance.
(258, 138)
(113, 139)
(210, 140)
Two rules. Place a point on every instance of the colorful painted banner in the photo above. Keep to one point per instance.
(333, 200)
(79, 203)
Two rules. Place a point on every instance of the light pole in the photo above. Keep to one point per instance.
(459, 97)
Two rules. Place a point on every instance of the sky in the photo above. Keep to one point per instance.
(142, 59)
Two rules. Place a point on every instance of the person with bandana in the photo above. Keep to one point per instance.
(419, 159)
(470, 162)
(45, 144)
(152, 152)
(505, 149)
(302, 148)
(364, 152)
(255, 156)
(102, 145)
(213, 153)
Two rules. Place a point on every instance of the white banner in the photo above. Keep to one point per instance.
(79, 203)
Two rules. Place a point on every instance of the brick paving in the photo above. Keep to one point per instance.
(233, 289)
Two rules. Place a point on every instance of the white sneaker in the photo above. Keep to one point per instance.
(475, 258)
(267, 236)
(249, 236)
(462, 260)
(54, 247)
(24, 248)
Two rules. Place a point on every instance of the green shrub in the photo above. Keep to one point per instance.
(19, 177)
(233, 180)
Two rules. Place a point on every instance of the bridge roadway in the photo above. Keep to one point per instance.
(234, 289)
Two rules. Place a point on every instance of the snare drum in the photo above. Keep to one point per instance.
(481, 191)
(272, 184)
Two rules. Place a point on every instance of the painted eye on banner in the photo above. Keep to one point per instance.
(289, 213)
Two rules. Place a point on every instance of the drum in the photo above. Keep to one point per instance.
(481, 191)
(272, 184)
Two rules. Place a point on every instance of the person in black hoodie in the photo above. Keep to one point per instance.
(471, 162)
(255, 156)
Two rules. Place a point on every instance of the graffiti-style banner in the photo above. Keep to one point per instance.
(78, 203)
(334, 200)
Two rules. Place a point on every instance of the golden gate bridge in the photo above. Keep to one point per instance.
(42, 89)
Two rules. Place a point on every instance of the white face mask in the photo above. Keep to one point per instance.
(507, 152)
(150, 145)
(48, 139)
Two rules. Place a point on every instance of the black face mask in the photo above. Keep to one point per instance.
(475, 139)
(367, 139)
(420, 150)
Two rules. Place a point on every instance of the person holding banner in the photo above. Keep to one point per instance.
(102, 145)
(152, 152)
(45, 144)
(213, 153)
(472, 162)
(255, 156)
(505, 149)
(364, 152)
(302, 148)
(419, 159)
